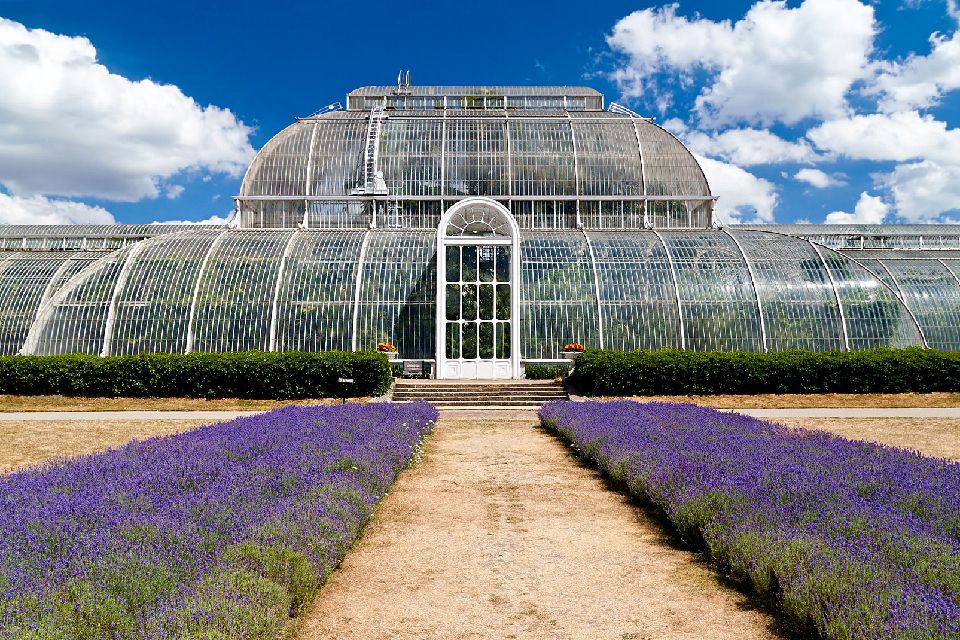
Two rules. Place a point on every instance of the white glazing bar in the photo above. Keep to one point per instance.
(756, 291)
(947, 267)
(191, 334)
(898, 294)
(836, 296)
(596, 285)
(307, 184)
(117, 288)
(509, 155)
(274, 320)
(576, 169)
(358, 287)
(48, 290)
(643, 177)
(443, 150)
(676, 288)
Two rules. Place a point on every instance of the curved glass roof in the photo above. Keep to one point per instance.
(233, 290)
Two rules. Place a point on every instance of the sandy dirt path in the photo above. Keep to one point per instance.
(499, 533)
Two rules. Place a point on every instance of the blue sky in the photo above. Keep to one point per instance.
(825, 109)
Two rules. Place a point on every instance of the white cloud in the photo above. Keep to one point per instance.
(898, 137)
(173, 191)
(923, 191)
(70, 127)
(214, 219)
(775, 64)
(919, 81)
(868, 210)
(747, 147)
(818, 179)
(41, 210)
(740, 193)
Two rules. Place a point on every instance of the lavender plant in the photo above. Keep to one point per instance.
(849, 539)
(222, 532)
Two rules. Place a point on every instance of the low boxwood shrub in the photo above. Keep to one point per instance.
(250, 374)
(674, 372)
(544, 372)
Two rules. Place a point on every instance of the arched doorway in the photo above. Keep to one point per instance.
(478, 271)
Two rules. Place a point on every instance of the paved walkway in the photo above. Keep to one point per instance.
(499, 533)
(491, 413)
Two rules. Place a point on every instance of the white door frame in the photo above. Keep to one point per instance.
(443, 241)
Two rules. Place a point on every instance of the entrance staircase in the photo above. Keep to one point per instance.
(480, 394)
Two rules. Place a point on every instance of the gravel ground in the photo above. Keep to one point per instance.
(30, 442)
(499, 533)
(932, 437)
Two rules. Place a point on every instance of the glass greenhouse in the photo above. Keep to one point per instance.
(478, 229)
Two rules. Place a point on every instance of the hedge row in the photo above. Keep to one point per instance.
(672, 372)
(252, 374)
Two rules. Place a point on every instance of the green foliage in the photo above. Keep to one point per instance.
(251, 374)
(543, 372)
(673, 372)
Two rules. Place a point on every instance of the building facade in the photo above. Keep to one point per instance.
(478, 229)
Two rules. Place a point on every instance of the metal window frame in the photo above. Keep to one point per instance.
(676, 288)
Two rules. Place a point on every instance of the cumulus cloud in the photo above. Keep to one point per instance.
(70, 127)
(775, 64)
(868, 210)
(743, 197)
(42, 210)
(896, 137)
(919, 81)
(817, 178)
(926, 183)
(923, 191)
(212, 220)
(747, 147)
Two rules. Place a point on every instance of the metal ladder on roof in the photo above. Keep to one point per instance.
(373, 183)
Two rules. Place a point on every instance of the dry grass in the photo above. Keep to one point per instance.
(30, 442)
(930, 436)
(9, 403)
(797, 401)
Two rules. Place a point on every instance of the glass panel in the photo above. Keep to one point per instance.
(486, 340)
(316, 302)
(453, 264)
(470, 340)
(503, 340)
(453, 340)
(503, 264)
(469, 298)
(637, 296)
(453, 302)
(469, 273)
(503, 302)
(486, 302)
(399, 291)
(558, 295)
(486, 263)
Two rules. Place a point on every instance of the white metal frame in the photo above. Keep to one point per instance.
(443, 241)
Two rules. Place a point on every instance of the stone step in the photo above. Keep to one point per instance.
(418, 392)
(499, 402)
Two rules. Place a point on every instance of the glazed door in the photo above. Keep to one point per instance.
(477, 320)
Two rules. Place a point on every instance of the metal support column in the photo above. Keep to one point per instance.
(756, 291)
(596, 286)
(274, 319)
(676, 288)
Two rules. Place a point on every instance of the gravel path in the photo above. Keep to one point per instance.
(499, 533)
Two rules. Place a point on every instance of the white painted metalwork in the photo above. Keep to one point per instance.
(596, 286)
(756, 293)
(117, 287)
(191, 319)
(274, 317)
(836, 297)
(358, 288)
(676, 287)
(472, 227)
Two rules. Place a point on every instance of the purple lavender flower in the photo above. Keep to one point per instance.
(850, 539)
(225, 531)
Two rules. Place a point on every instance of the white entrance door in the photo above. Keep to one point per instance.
(477, 268)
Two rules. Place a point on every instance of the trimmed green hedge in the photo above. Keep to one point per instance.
(672, 372)
(251, 374)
